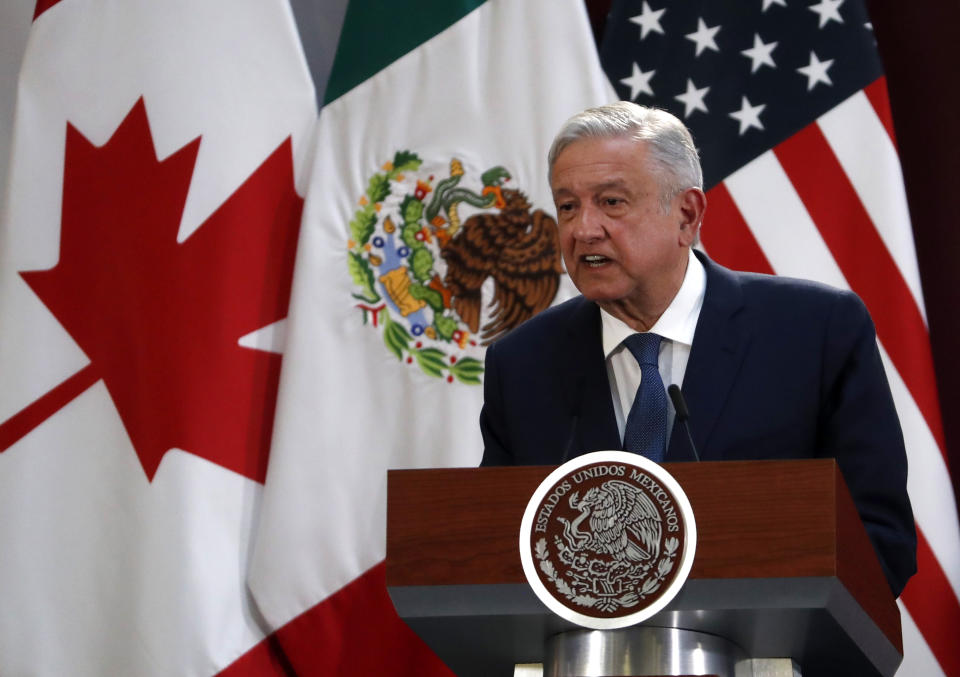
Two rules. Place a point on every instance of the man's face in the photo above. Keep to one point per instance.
(620, 246)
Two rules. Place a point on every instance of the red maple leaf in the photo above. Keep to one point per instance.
(160, 320)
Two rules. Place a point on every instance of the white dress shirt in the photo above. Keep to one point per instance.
(677, 326)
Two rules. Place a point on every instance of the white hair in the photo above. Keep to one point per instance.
(666, 137)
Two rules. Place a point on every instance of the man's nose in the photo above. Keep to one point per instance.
(589, 224)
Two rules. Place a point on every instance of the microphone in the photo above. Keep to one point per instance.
(683, 414)
(573, 406)
(569, 447)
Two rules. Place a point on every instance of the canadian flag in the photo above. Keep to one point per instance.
(146, 259)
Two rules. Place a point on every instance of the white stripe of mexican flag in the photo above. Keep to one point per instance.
(369, 382)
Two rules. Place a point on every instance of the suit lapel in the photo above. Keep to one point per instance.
(719, 344)
(592, 423)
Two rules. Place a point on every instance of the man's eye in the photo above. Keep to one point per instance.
(612, 201)
(565, 207)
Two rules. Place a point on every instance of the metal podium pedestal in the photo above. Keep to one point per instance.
(640, 651)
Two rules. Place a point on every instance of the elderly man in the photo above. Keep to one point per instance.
(772, 368)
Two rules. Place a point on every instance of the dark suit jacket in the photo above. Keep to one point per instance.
(779, 369)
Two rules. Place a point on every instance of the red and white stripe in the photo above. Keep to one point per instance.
(828, 204)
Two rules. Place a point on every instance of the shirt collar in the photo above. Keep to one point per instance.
(678, 322)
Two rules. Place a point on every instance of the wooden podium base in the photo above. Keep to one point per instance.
(642, 651)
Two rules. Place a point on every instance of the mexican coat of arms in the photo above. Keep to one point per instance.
(607, 539)
(430, 244)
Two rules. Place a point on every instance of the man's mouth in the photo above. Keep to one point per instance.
(595, 260)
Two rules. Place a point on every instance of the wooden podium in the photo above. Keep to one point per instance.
(783, 567)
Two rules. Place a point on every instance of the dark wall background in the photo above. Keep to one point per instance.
(923, 78)
(922, 75)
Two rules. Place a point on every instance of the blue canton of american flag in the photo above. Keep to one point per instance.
(787, 103)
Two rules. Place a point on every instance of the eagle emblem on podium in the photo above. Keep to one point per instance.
(616, 562)
(623, 523)
(607, 539)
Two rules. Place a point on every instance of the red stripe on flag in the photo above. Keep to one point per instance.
(727, 237)
(354, 632)
(357, 631)
(42, 6)
(934, 607)
(834, 206)
(21, 423)
(266, 659)
(877, 95)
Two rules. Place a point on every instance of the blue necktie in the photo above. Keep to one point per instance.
(646, 429)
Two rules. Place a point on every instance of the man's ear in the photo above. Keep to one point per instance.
(692, 205)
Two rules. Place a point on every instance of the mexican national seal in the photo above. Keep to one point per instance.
(607, 539)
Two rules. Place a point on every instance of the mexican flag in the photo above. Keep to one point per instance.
(426, 234)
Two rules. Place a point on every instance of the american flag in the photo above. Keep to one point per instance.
(787, 102)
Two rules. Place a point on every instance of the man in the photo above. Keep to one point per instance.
(772, 368)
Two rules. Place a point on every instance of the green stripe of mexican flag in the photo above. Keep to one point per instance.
(376, 33)
(436, 130)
